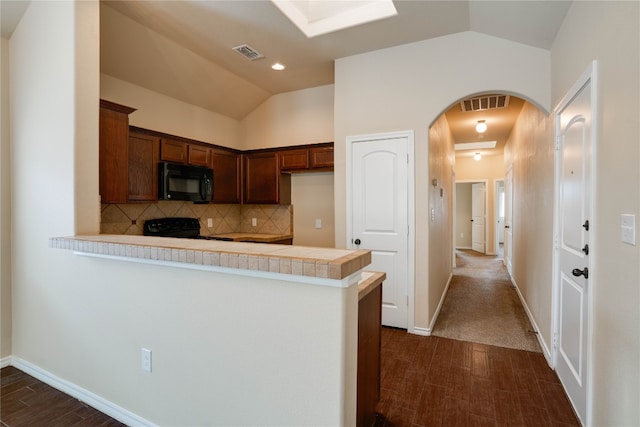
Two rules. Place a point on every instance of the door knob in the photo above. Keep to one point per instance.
(507, 226)
(577, 272)
(357, 242)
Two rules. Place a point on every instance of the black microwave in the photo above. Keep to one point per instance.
(185, 182)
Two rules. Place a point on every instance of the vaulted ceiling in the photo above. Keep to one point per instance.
(184, 48)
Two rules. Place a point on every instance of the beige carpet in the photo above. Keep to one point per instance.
(482, 305)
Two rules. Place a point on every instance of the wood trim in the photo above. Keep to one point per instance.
(116, 107)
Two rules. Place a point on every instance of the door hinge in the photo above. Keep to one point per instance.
(555, 242)
(555, 340)
(557, 143)
(407, 300)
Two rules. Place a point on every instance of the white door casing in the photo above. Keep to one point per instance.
(508, 221)
(574, 223)
(379, 213)
(478, 214)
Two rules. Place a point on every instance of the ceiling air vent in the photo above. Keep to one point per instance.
(488, 102)
(248, 52)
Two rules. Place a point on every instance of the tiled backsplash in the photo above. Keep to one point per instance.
(129, 218)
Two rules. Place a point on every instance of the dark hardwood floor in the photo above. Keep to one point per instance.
(26, 401)
(433, 381)
(426, 381)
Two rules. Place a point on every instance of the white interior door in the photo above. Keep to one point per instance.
(508, 220)
(478, 217)
(574, 137)
(380, 217)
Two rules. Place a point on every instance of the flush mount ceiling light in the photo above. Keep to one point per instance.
(481, 127)
(477, 157)
(476, 145)
(278, 66)
(317, 17)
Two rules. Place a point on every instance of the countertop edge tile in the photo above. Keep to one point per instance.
(323, 263)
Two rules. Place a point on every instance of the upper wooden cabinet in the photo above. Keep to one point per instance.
(173, 151)
(198, 155)
(143, 166)
(227, 176)
(263, 182)
(321, 157)
(114, 152)
(294, 159)
(315, 157)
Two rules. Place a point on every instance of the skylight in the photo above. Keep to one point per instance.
(317, 17)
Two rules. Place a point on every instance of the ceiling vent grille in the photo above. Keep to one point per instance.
(248, 52)
(488, 102)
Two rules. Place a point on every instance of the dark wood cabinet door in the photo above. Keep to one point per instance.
(227, 176)
(113, 152)
(173, 151)
(143, 167)
(294, 160)
(261, 178)
(321, 157)
(199, 155)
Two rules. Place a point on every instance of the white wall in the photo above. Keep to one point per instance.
(291, 118)
(407, 88)
(441, 162)
(610, 33)
(165, 114)
(84, 319)
(5, 205)
(312, 199)
(530, 152)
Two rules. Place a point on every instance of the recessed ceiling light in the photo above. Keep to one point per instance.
(278, 66)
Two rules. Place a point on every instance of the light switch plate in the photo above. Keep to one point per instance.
(628, 228)
(318, 223)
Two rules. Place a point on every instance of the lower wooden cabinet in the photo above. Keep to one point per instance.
(143, 167)
(369, 348)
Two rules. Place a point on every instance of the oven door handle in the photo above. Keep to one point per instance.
(205, 187)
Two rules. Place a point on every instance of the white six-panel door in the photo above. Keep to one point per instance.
(574, 130)
(379, 210)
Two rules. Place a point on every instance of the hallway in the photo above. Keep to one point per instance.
(483, 306)
(434, 381)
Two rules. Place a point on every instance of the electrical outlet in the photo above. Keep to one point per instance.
(145, 359)
(209, 222)
(254, 222)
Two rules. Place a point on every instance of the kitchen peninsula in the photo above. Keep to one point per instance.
(273, 328)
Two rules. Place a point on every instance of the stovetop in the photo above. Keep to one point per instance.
(188, 228)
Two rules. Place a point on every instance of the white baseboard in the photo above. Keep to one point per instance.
(463, 247)
(545, 350)
(441, 302)
(5, 361)
(421, 331)
(91, 399)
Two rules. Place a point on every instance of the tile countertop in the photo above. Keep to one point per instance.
(326, 263)
(254, 237)
(368, 282)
